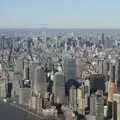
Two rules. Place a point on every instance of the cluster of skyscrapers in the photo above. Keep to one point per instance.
(80, 70)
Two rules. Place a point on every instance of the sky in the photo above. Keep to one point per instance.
(60, 13)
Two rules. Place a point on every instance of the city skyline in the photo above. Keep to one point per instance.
(59, 14)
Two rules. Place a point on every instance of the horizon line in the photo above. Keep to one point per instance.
(60, 28)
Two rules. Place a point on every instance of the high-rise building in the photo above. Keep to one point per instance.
(36, 103)
(73, 98)
(108, 43)
(101, 66)
(81, 99)
(69, 68)
(97, 105)
(19, 65)
(116, 107)
(97, 82)
(37, 78)
(2, 89)
(111, 92)
(59, 88)
(118, 73)
(92, 105)
(32, 75)
(25, 96)
(113, 73)
(103, 39)
(18, 76)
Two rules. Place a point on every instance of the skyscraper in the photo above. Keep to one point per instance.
(113, 73)
(118, 73)
(25, 96)
(81, 99)
(59, 88)
(103, 39)
(73, 98)
(70, 68)
(19, 65)
(92, 105)
(37, 78)
(111, 91)
(116, 107)
(97, 105)
(97, 82)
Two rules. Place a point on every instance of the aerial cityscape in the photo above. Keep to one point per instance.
(59, 60)
(56, 72)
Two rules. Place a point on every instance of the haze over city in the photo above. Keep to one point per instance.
(59, 60)
(59, 14)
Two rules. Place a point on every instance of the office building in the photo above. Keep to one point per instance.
(108, 43)
(81, 100)
(70, 68)
(25, 96)
(19, 71)
(114, 73)
(103, 39)
(92, 105)
(73, 98)
(97, 105)
(2, 89)
(118, 75)
(36, 103)
(101, 66)
(37, 78)
(116, 107)
(59, 88)
(19, 65)
(111, 90)
(97, 82)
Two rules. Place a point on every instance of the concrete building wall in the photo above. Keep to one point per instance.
(70, 69)
(25, 95)
(37, 76)
(59, 88)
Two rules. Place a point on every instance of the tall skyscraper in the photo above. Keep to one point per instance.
(18, 76)
(37, 78)
(81, 99)
(73, 98)
(19, 65)
(70, 68)
(103, 39)
(108, 43)
(116, 107)
(101, 66)
(97, 105)
(97, 82)
(25, 96)
(59, 88)
(36, 103)
(92, 105)
(111, 92)
(113, 73)
(118, 73)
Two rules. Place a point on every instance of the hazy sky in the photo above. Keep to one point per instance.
(60, 13)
